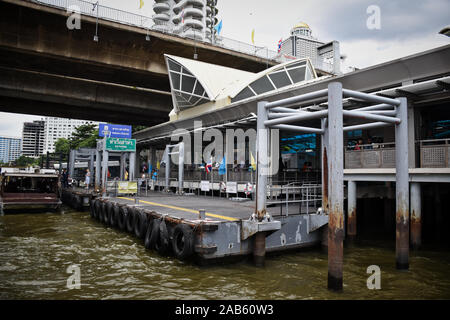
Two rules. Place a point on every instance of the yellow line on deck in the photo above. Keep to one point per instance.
(182, 209)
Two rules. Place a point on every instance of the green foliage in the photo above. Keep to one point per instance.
(84, 136)
(24, 161)
(62, 145)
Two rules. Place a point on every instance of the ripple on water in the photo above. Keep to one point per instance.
(35, 251)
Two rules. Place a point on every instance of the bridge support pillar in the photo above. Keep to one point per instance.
(416, 216)
(335, 187)
(402, 187)
(351, 211)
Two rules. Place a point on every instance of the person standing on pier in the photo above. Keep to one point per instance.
(87, 179)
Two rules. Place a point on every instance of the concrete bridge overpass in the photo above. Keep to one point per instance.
(47, 69)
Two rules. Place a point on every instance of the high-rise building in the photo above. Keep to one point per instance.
(56, 128)
(10, 149)
(33, 138)
(301, 44)
(188, 18)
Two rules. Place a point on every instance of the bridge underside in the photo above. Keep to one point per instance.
(47, 69)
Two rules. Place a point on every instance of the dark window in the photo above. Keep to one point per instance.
(262, 85)
(187, 84)
(280, 79)
(199, 89)
(175, 80)
(297, 75)
(174, 66)
(244, 94)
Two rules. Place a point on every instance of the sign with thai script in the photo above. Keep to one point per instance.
(114, 131)
(121, 145)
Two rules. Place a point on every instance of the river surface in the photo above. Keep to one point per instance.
(37, 249)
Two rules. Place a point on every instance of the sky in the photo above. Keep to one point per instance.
(406, 27)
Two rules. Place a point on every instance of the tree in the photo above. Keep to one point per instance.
(24, 161)
(62, 145)
(84, 136)
(138, 128)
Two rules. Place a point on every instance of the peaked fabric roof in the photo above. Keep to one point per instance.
(215, 79)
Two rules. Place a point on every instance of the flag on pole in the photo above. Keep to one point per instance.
(141, 4)
(253, 36)
(223, 167)
(279, 45)
(252, 161)
(219, 27)
(209, 166)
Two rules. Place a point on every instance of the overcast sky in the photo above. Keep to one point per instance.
(407, 27)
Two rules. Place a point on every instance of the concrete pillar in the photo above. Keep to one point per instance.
(416, 216)
(402, 187)
(351, 210)
(105, 171)
(91, 166)
(132, 169)
(181, 168)
(71, 168)
(98, 168)
(411, 138)
(324, 165)
(167, 161)
(335, 187)
(262, 160)
(439, 219)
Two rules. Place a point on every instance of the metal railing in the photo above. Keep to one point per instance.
(435, 153)
(305, 195)
(375, 155)
(149, 23)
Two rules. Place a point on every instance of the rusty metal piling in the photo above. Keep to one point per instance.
(335, 187)
(416, 216)
(402, 187)
(351, 211)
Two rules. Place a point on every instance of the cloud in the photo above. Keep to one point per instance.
(11, 124)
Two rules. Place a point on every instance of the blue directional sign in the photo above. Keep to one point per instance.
(114, 131)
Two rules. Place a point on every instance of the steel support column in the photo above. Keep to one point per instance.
(262, 158)
(71, 168)
(98, 169)
(335, 186)
(105, 170)
(351, 210)
(181, 168)
(167, 171)
(402, 187)
(416, 216)
(132, 173)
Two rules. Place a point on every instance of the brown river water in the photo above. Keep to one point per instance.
(37, 249)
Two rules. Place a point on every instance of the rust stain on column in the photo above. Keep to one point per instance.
(416, 231)
(402, 240)
(259, 250)
(335, 249)
(351, 224)
(325, 181)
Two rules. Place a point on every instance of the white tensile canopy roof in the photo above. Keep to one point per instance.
(194, 82)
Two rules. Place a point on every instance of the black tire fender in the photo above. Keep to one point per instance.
(154, 236)
(140, 224)
(114, 215)
(183, 241)
(162, 245)
(109, 212)
(104, 212)
(148, 233)
(92, 208)
(78, 202)
(123, 217)
(97, 209)
(130, 220)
